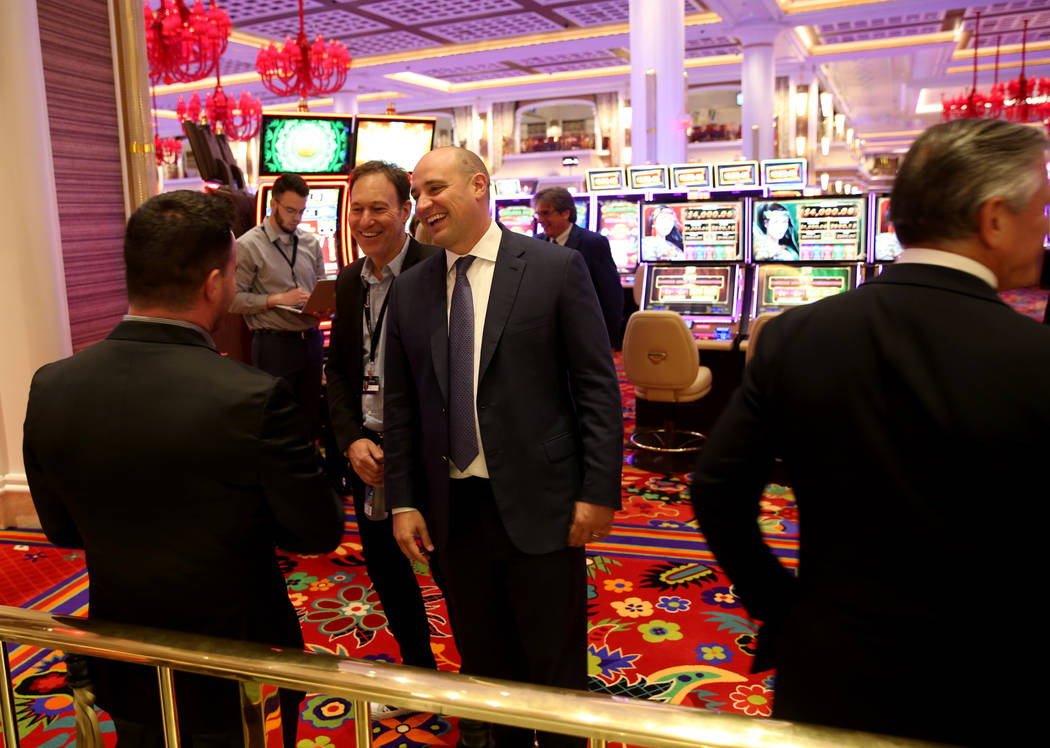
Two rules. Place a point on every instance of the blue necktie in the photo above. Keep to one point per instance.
(462, 436)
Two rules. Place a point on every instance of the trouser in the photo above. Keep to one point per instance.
(296, 357)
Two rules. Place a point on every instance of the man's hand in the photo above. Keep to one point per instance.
(407, 527)
(366, 457)
(590, 522)
(293, 297)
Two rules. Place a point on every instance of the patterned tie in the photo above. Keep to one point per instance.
(462, 436)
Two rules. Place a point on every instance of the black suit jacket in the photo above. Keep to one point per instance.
(344, 371)
(604, 275)
(177, 470)
(548, 398)
(913, 417)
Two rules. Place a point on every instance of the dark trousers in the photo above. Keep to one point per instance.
(519, 616)
(395, 582)
(297, 359)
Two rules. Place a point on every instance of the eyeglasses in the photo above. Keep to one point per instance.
(290, 211)
(545, 213)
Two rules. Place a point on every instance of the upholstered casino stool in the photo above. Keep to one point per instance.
(753, 331)
(661, 360)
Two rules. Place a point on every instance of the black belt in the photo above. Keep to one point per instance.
(301, 334)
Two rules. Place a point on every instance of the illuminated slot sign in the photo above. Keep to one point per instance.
(786, 172)
(604, 180)
(691, 176)
(647, 177)
(736, 175)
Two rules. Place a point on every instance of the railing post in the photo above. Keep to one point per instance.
(255, 704)
(168, 711)
(7, 701)
(596, 743)
(362, 723)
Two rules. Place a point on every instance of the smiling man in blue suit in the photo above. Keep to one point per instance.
(504, 432)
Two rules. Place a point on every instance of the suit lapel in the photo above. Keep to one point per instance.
(574, 237)
(510, 267)
(435, 308)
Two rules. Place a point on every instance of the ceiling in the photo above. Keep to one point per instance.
(888, 62)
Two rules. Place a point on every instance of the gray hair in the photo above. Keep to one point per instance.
(559, 198)
(953, 168)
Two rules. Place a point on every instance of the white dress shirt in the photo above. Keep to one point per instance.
(480, 275)
(923, 256)
(563, 237)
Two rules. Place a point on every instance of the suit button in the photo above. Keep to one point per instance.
(482, 406)
(444, 458)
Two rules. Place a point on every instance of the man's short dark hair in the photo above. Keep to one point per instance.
(559, 198)
(290, 182)
(394, 174)
(953, 168)
(172, 242)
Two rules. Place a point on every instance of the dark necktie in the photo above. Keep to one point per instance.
(462, 436)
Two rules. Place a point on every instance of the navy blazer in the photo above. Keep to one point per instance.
(604, 276)
(913, 418)
(175, 468)
(345, 370)
(548, 396)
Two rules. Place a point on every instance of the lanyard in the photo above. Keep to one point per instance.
(291, 262)
(374, 334)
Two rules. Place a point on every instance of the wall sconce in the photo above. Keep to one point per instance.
(825, 145)
(825, 180)
(849, 134)
(800, 145)
(840, 124)
(826, 104)
(625, 115)
(838, 186)
(626, 154)
(801, 103)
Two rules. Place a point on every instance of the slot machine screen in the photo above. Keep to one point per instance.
(781, 287)
(518, 216)
(321, 219)
(619, 221)
(583, 206)
(887, 248)
(703, 231)
(810, 229)
(703, 290)
(399, 140)
(308, 145)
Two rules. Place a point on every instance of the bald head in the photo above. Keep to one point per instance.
(451, 188)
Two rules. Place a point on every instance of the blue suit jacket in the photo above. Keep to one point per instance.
(604, 275)
(548, 397)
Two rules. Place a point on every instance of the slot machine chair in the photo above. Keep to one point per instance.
(661, 360)
(752, 335)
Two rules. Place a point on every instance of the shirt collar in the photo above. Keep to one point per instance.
(487, 247)
(176, 322)
(563, 237)
(273, 234)
(391, 270)
(923, 256)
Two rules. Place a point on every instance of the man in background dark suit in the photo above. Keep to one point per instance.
(913, 417)
(556, 212)
(504, 487)
(379, 208)
(177, 471)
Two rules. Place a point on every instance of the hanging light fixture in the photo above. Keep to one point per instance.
(167, 150)
(301, 68)
(1028, 98)
(238, 118)
(189, 111)
(182, 44)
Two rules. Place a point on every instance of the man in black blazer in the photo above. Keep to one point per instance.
(177, 470)
(379, 208)
(913, 418)
(504, 432)
(556, 212)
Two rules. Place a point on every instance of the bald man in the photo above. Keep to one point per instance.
(504, 432)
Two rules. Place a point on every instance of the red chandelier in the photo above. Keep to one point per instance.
(182, 45)
(304, 69)
(1020, 100)
(167, 150)
(238, 118)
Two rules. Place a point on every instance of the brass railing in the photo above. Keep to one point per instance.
(598, 717)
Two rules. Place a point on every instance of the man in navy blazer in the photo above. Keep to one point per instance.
(538, 426)
(913, 418)
(556, 212)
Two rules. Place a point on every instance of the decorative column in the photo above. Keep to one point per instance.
(33, 308)
(131, 84)
(758, 86)
(657, 82)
